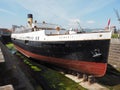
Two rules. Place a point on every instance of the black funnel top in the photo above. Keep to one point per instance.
(30, 16)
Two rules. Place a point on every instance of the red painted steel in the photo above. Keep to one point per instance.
(93, 68)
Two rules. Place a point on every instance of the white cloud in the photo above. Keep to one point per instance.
(45, 9)
(90, 22)
(6, 11)
(60, 11)
(92, 6)
(52, 8)
(74, 20)
(74, 23)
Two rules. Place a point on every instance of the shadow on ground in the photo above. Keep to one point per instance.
(111, 78)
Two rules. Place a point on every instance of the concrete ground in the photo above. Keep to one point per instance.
(1, 57)
(87, 85)
(6, 87)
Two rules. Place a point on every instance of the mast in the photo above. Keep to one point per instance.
(81, 29)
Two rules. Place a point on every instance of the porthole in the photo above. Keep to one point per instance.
(100, 35)
(26, 42)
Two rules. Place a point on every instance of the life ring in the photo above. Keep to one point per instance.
(58, 28)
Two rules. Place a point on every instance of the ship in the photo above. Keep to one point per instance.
(5, 35)
(85, 52)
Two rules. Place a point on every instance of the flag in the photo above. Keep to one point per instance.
(108, 22)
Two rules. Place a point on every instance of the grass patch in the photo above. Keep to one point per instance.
(29, 63)
(10, 46)
(35, 68)
(55, 80)
(115, 36)
(60, 82)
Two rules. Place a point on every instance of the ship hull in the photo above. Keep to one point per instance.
(88, 57)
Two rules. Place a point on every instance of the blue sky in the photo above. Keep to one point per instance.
(89, 13)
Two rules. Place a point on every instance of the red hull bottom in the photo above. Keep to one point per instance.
(93, 68)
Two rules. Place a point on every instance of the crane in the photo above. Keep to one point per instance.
(117, 14)
(81, 29)
(118, 17)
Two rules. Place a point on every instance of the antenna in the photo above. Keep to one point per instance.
(80, 26)
(117, 14)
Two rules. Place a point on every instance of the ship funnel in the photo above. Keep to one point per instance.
(30, 19)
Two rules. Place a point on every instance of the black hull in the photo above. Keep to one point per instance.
(90, 51)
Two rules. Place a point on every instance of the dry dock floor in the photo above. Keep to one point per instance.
(87, 85)
(5, 87)
(1, 57)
